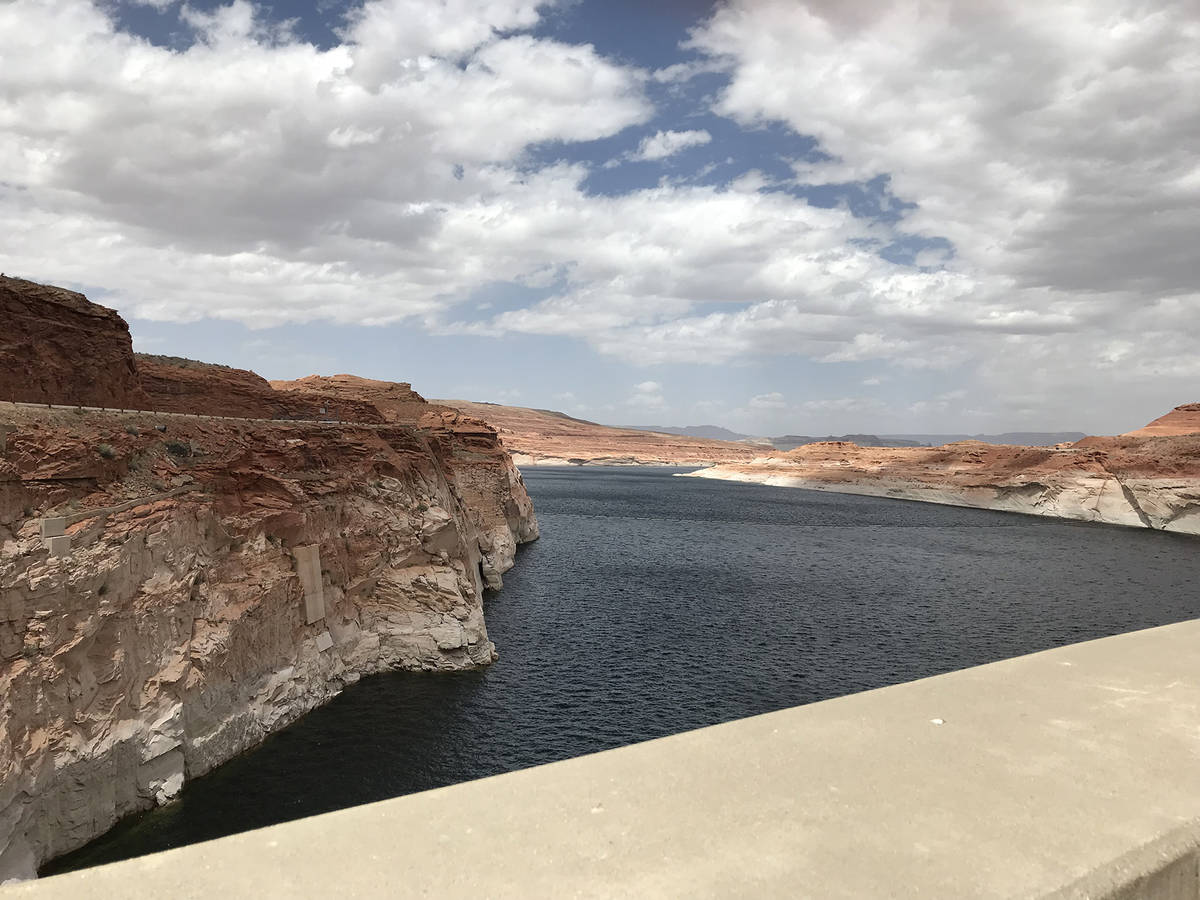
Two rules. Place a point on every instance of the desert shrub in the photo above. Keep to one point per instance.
(107, 451)
(132, 429)
(179, 448)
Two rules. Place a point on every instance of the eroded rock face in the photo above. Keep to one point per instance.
(174, 635)
(1142, 482)
(57, 347)
(478, 464)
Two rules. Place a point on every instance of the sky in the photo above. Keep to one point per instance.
(780, 216)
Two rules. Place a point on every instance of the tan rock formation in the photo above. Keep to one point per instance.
(547, 438)
(57, 347)
(1181, 420)
(172, 589)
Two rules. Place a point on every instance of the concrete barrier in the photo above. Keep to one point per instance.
(54, 526)
(1071, 773)
(59, 545)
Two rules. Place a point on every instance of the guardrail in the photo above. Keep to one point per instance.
(53, 528)
(158, 412)
(1069, 773)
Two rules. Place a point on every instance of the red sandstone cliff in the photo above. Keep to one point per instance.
(215, 579)
(184, 385)
(57, 347)
(395, 401)
(189, 386)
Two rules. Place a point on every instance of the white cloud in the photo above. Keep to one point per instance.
(662, 144)
(257, 178)
(773, 400)
(648, 395)
(844, 405)
(253, 177)
(1052, 143)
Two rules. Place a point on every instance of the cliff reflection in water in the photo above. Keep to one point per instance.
(653, 604)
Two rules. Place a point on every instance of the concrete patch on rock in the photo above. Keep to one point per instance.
(308, 565)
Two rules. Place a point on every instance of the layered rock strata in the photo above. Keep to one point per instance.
(173, 589)
(1142, 482)
(176, 632)
(493, 493)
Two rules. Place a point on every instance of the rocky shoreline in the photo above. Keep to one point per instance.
(1129, 480)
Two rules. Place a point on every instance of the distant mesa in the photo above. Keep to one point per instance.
(550, 437)
(792, 441)
(711, 432)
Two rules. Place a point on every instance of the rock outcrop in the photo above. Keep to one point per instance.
(57, 347)
(395, 401)
(1181, 420)
(188, 386)
(176, 588)
(1142, 482)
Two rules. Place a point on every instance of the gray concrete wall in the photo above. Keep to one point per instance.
(308, 567)
(1070, 773)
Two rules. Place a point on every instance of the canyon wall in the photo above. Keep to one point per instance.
(1141, 482)
(173, 589)
(493, 492)
(57, 347)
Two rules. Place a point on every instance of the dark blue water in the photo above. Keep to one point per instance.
(655, 604)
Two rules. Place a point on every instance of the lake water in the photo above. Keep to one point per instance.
(654, 604)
